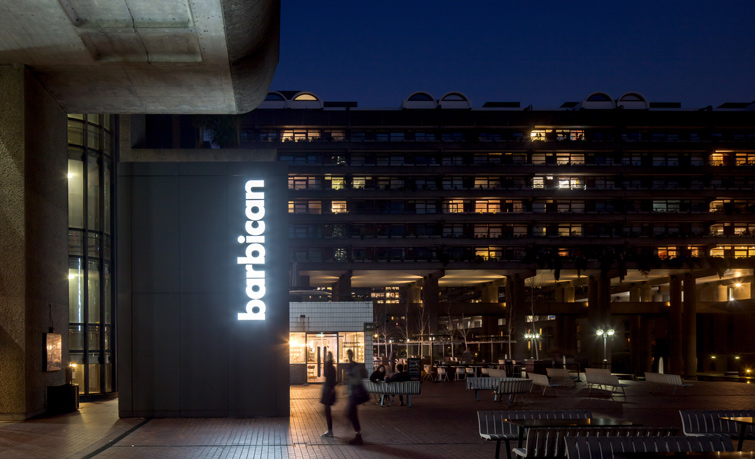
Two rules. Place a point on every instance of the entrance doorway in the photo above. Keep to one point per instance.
(317, 348)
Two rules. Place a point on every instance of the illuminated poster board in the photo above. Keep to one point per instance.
(54, 352)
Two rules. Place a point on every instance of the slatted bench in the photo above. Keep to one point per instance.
(561, 376)
(483, 383)
(510, 388)
(706, 422)
(604, 381)
(604, 447)
(544, 382)
(496, 373)
(549, 442)
(493, 425)
(663, 379)
(385, 389)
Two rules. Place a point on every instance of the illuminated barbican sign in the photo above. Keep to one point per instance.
(254, 252)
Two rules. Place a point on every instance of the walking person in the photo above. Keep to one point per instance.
(328, 397)
(356, 396)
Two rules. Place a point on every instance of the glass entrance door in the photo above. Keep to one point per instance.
(318, 345)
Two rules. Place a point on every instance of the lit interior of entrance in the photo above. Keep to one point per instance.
(317, 348)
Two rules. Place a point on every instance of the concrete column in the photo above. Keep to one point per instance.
(641, 344)
(635, 294)
(34, 242)
(568, 293)
(676, 356)
(689, 344)
(489, 293)
(515, 299)
(342, 287)
(431, 301)
(599, 315)
(646, 293)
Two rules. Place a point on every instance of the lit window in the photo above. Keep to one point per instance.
(358, 183)
(491, 206)
(337, 183)
(338, 207)
(305, 96)
(539, 134)
(455, 206)
(666, 252)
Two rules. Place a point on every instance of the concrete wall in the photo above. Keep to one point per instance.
(182, 350)
(33, 246)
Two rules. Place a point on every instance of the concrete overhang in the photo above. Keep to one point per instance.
(146, 56)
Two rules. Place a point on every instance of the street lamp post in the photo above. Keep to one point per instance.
(533, 337)
(605, 334)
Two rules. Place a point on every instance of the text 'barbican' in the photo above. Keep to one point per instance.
(254, 252)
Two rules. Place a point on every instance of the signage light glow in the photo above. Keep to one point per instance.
(254, 252)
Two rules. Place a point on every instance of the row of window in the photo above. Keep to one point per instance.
(483, 158)
(520, 230)
(494, 182)
(492, 253)
(498, 206)
(489, 135)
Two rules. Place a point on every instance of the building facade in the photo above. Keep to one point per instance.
(504, 220)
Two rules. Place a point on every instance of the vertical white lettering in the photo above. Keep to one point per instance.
(254, 252)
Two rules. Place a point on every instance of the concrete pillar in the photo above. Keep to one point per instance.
(646, 293)
(676, 355)
(431, 301)
(34, 242)
(689, 344)
(568, 293)
(599, 316)
(641, 344)
(515, 299)
(342, 287)
(635, 294)
(489, 293)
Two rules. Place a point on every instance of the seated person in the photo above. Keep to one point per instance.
(400, 375)
(378, 374)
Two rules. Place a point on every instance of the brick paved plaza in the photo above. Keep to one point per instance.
(441, 423)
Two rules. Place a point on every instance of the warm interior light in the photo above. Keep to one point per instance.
(713, 357)
(70, 175)
(736, 357)
(737, 284)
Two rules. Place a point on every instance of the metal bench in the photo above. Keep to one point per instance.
(706, 422)
(511, 388)
(561, 376)
(544, 382)
(483, 383)
(604, 381)
(604, 447)
(493, 425)
(549, 442)
(385, 389)
(663, 379)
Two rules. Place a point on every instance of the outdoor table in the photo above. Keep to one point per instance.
(743, 423)
(690, 454)
(555, 423)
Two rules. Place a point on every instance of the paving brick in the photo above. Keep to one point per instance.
(442, 423)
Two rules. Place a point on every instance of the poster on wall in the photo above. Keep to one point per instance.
(54, 354)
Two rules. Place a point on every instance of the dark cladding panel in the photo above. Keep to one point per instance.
(205, 346)
(155, 235)
(207, 363)
(156, 349)
(203, 233)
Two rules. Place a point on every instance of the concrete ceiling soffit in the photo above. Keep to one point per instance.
(135, 30)
(252, 30)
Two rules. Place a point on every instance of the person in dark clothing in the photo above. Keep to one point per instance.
(353, 378)
(400, 375)
(378, 374)
(328, 397)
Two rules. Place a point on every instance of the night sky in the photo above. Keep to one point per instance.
(542, 53)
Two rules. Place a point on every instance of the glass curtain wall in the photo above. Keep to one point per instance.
(91, 144)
